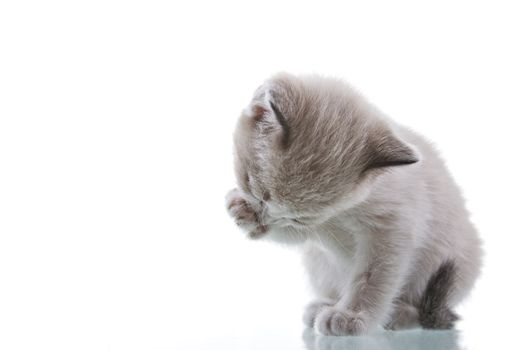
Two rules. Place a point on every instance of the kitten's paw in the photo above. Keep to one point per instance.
(404, 316)
(313, 309)
(243, 213)
(332, 321)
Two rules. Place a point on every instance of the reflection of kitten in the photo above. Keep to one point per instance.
(383, 228)
(416, 339)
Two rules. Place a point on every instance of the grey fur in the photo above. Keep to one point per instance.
(434, 312)
(369, 202)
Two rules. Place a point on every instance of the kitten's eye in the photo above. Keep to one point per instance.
(304, 220)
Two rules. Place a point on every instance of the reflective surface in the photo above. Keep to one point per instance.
(400, 340)
(310, 340)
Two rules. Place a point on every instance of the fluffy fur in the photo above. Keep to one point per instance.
(382, 226)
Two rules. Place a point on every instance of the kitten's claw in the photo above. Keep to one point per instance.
(332, 321)
(258, 232)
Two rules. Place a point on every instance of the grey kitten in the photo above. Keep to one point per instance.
(382, 226)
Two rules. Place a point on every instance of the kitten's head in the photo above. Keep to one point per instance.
(306, 147)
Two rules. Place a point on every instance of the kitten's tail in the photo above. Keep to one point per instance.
(434, 312)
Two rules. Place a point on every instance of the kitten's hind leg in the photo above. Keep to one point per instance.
(314, 308)
(404, 316)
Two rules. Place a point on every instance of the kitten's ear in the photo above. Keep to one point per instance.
(285, 128)
(265, 111)
(388, 151)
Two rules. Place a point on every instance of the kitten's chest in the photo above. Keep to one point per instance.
(341, 236)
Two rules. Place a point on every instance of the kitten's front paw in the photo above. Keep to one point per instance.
(244, 214)
(313, 309)
(332, 321)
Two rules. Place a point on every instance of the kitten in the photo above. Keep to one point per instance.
(382, 226)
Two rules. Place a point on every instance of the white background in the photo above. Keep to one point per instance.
(115, 155)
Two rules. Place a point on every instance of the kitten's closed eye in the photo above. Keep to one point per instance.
(304, 220)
